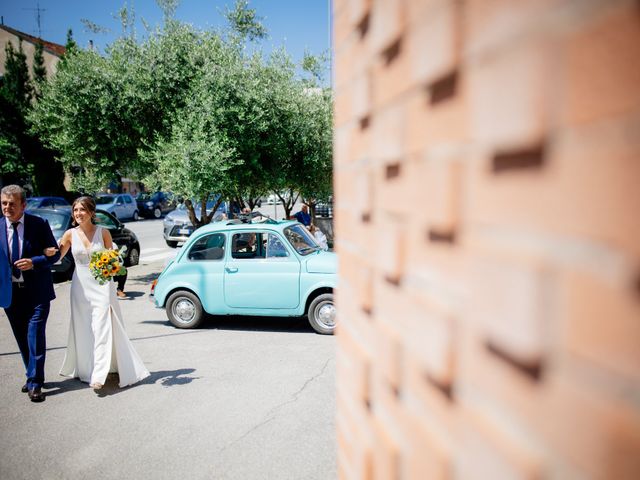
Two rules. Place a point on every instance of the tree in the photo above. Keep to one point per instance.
(186, 110)
(15, 100)
(39, 70)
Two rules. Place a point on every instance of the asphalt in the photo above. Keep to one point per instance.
(240, 398)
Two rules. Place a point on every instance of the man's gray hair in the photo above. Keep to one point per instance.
(14, 190)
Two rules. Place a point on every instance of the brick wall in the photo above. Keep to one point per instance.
(487, 217)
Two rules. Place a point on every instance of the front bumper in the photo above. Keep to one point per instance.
(178, 232)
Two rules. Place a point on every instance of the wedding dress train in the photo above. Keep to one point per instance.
(98, 344)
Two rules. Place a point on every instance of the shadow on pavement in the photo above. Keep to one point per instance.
(146, 279)
(257, 324)
(166, 378)
(63, 386)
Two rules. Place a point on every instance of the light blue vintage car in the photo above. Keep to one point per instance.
(262, 269)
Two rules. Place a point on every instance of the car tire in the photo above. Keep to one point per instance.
(172, 243)
(157, 213)
(322, 314)
(133, 257)
(136, 216)
(184, 310)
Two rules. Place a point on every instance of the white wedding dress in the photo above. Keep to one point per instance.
(98, 343)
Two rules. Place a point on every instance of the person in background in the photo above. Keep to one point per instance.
(320, 237)
(303, 215)
(121, 280)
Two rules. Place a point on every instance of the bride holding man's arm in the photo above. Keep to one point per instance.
(97, 344)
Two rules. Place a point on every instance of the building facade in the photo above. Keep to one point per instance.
(52, 52)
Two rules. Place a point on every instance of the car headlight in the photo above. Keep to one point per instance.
(168, 221)
(149, 204)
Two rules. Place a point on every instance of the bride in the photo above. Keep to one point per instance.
(98, 344)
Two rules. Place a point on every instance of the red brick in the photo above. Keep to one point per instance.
(512, 95)
(357, 11)
(432, 45)
(603, 67)
(387, 23)
(602, 323)
(489, 452)
(513, 303)
(597, 433)
(497, 24)
(586, 189)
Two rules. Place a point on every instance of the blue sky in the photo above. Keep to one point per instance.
(296, 24)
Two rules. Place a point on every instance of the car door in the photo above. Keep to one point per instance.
(204, 270)
(264, 275)
(129, 206)
(118, 207)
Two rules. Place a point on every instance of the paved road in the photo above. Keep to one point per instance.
(152, 245)
(241, 398)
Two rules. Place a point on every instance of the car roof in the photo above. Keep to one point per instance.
(234, 225)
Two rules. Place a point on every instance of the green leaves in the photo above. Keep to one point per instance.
(190, 111)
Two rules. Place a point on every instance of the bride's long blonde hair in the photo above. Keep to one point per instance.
(89, 205)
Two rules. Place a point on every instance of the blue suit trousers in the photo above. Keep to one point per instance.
(28, 322)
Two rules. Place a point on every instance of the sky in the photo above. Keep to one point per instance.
(296, 24)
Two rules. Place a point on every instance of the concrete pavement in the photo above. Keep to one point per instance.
(241, 398)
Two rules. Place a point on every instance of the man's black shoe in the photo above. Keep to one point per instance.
(36, 395)
(24, 388)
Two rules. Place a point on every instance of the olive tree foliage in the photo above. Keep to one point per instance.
(189, 111)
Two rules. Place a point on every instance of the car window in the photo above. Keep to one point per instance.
(300, 239)
(208, 247)
(119, 201)
(275, 247)
(57, 220)
(127, 199)
(105, 221)
(248, 245)
(104, 200)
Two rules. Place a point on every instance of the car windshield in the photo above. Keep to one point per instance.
(58, 221)
(104, 200)
(300, 239)
(143, 196)
(32, 203)
(196, 205)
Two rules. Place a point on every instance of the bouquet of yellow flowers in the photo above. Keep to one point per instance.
(106, 264)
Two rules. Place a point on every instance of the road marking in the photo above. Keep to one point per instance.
(155, 249)
(157, 256)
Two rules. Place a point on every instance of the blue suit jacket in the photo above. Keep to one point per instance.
(38, 282)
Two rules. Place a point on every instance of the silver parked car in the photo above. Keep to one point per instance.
(177, 227)
(120, 205)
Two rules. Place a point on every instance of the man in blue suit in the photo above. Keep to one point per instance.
(25, 282)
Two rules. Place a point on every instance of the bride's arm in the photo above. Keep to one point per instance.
(106, 238)
(65, 244)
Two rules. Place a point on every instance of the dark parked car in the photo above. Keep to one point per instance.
(324, 209)
(154, 205)
(45, 202)
(60, 221)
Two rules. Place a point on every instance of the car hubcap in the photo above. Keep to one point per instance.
(134, 257)
(157, 213)
(327, 315)
(184, 310)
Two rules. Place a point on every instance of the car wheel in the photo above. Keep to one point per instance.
(133, 258)
(171, 243)
(322, 314)
(136, 216)
(157, 213)
(184, 310)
